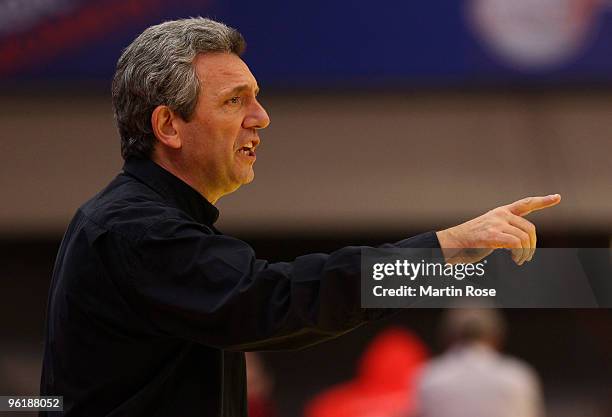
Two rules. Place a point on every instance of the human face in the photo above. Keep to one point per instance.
(220, 140)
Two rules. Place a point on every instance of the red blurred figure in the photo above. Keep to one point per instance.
(259, 388)
(385, 382)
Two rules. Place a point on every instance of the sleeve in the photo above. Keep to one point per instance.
(213, 290)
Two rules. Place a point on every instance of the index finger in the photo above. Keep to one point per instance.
(527, 205)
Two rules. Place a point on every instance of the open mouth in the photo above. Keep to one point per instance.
(247, 150)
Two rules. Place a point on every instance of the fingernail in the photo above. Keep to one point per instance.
(553, 196)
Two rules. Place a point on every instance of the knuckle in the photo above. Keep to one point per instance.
(497, 211)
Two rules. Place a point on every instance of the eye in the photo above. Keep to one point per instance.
(235, 100)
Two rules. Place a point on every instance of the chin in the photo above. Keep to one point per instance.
(247, 179)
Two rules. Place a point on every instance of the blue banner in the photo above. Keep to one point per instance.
(320, 44)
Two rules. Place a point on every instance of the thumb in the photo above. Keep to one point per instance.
(526, 205)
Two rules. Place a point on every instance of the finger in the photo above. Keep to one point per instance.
(524, 239)
(526, 205)
(505, 240)
(509, 241)
(517, 256)
(527, 227)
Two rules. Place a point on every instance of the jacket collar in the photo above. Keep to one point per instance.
(172, 189)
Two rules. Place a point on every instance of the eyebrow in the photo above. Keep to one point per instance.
(240, 88)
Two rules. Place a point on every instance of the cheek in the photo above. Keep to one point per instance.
(214, 139)
(229, 139)
(192, 134)
(200, 141)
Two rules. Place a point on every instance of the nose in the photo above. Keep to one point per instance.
(257, 117)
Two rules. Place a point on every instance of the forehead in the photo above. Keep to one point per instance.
(221, 71)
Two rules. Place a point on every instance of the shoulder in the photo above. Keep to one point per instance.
(458, 363)
(517, 371)
(130, 209)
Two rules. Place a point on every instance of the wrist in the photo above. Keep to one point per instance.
(449, 243)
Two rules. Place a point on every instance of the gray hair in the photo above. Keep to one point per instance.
(157, 69)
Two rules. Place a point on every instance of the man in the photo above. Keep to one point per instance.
(472, 379)
(151, 307)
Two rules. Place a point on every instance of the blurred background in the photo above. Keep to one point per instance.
(388, 119)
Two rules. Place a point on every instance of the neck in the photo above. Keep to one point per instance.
(179, 170)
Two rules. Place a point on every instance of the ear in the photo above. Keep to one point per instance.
(163, 121)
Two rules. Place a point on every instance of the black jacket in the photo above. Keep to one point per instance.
(150, 307)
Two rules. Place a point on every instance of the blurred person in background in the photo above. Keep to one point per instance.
(387, 372)
(260, 387)
(472, 378)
